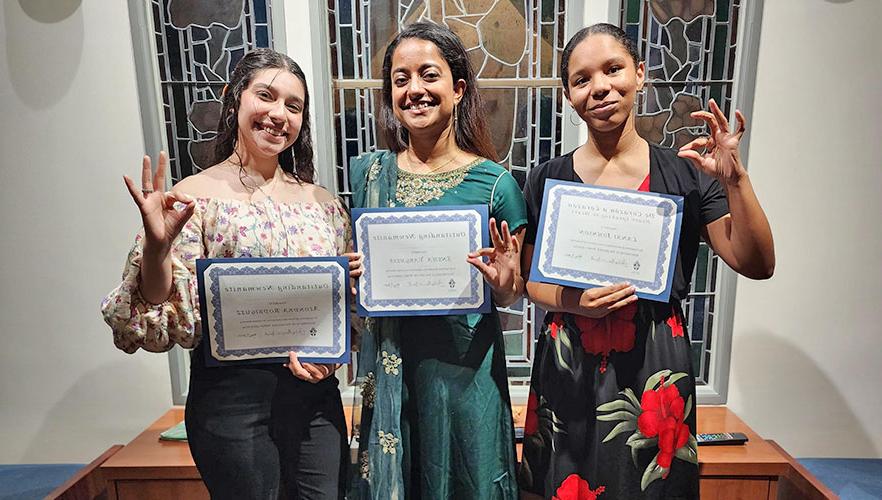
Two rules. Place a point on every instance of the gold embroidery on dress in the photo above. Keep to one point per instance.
(368, 390)
(364, 464)
(374, 170)
(388, 441)
(391, 363)
(417, 189)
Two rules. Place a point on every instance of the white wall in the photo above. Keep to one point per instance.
(807, 348)
(71, 128)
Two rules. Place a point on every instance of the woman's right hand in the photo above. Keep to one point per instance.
(162, 221)
(599, 302)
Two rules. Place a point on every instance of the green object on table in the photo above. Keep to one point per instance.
(176, 433)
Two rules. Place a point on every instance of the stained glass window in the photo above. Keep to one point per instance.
(198, 44)
(689, 49)
(515, 45)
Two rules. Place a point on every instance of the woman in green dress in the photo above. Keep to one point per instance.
(436, 418)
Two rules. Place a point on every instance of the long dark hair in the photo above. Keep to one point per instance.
(596, 29)
(470, 131)
(295, 160)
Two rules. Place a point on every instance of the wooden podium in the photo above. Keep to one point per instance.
(148, 469)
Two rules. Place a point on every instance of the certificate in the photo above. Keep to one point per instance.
(593, 236)
(415, 260)
(258, 309)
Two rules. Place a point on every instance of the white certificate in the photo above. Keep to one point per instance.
(415, 260)
(258, 309)
(592, 236)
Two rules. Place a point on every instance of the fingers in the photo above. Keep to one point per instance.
(356, 264)
(718, 113)
(495, 238)
(506, 235)
(488, 271)
(692, 156)
(708, 118)
(134, 191)
(146, 175)
(316, 372)
(159, 177)
(483, 252)
(296, 368)
(742, 123)
(604, 296)
(622, 303)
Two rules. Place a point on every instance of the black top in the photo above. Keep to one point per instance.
(704, 201)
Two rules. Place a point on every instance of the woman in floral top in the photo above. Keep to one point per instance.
(255, 431)
(611, 410)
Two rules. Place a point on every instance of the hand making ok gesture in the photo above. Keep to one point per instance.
(162, 221)
(721, 158)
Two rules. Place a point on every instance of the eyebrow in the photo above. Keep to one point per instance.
(270, 87)
(422, 67)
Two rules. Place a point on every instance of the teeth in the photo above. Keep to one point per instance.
(272, 131)
(421, 105)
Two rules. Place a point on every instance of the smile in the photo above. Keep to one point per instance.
(602, 106)
(418, 106)
(271, 130)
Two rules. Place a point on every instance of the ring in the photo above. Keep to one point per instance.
(146, 191)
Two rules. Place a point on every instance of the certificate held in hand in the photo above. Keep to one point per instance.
(592, 236)
(258, 309)
(415, 260)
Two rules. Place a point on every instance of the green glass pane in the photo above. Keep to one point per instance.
(700, 281)
(697, 349)
(547, 11)
(519, 372)
(633, 11)
(722, 11)
(721, 43)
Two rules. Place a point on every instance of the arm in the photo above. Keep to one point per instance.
(743, 239)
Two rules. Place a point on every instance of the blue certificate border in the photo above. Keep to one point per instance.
(422, 307)
(548, 230)
(298, 265)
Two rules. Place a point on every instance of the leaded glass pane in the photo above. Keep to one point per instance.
(519, 39)
(198, 44)
(689, 50)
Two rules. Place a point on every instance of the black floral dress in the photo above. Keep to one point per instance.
(611, 410)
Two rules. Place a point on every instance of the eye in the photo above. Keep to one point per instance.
(431, 76)
(294, 108)
(264, 95)
(614, 69)
(581, 81)
(400, 80)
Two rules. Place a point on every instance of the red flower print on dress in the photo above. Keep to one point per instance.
(576, 488)
(613, 332)
(675, 324)
(662, 416)
(531, 420)
(655, 421)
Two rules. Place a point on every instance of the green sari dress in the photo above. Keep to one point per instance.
(436, 418)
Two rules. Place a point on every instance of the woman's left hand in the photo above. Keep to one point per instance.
(503, 266)
(356, 267)
(310, 372)
(720, 158)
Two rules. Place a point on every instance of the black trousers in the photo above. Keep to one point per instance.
(257, 432)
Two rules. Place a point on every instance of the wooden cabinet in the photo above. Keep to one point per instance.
(148, 469)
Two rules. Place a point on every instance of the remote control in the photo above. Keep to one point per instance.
(721, 438)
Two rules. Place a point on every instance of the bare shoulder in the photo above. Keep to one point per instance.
(210, 183)
(306, 192)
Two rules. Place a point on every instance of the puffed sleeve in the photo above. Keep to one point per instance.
(508, 202)
(342, 228)
(137, 323)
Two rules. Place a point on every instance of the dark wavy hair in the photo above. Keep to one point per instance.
(595, 29)
(471, 131)
(295, 160)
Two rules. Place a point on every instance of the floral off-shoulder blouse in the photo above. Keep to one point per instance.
(219, 228)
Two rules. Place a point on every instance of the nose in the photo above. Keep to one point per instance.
(277, 110)
(415, 88)
(600, 86)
